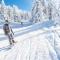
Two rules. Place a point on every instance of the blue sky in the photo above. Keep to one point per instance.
(23, 4)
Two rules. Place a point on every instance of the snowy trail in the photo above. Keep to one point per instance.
(31, 46)
(24, 30)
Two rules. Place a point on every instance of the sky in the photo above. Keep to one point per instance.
(22, 4)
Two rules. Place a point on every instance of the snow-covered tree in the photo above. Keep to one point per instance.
(13, 13)
(39, 12)
(43, 10)
(55, 13)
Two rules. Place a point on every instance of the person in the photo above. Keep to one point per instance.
(8, 32)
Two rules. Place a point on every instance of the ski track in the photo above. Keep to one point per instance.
(33, 46)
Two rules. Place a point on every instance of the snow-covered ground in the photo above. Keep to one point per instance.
(33, 43)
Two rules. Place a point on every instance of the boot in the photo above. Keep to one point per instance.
(13, 41)
(10, 43)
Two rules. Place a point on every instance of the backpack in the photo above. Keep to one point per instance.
(6, 28)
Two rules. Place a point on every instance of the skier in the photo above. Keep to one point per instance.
(8, 32)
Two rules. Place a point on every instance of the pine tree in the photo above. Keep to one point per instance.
(39, 12)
